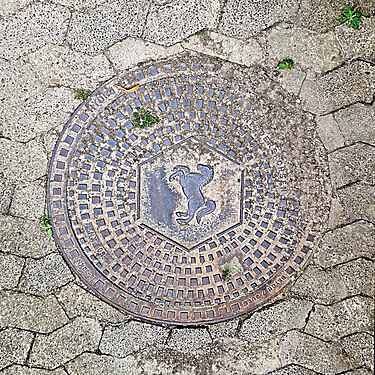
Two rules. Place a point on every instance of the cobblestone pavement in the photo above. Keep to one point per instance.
(49, 322)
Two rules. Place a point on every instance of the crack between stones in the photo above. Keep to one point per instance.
(21, 274)
(353, 183)
(350, 145)
(346, 225)
(292, 364)
(103, 327)
(43, 295)
(27, 360)
(351, 370)
(238, 328)
(308, 315)
(146, 19)
(25, 257)
(343, 64)
(336, 302)
(336, 266)
(12, 15)
(64, 39)
(62, 305)
(68, 361)
(357, 333)
(221, 14)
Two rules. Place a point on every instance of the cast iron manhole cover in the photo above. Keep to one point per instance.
(202, 216)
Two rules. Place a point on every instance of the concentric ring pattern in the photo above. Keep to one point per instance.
(202, 216)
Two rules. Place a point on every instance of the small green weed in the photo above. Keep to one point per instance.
(201, 32)
(83, 94)
(40, 114)
(216, 59)
(2, 136)
(351, 16)
(143, 118)
(286, 64)
(46, 225)
(226, 273)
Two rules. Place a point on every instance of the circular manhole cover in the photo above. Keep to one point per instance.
(207, 210)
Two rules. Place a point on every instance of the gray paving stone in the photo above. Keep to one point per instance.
(22, 162)
(247, 52)
(318, 15)
(312, 353)
(189, 339)
(351, 164)
(19, 87)
(354, 123)
(329, 132)
(358, 43)
(358, 276)
(244, 19)
(45, 275)
(226, 356)
(94, 364)
(345, 244)
(337, 215)
(171, 23)
(66, 343)
(96, 29)
(358, 201)
(132, 51)
(23, 370)
(31, 313)
(9, 7)
(360, 349)
(29, 201)
(275, 320)
(293, 370)
(320, 286)
(127, 338)
(80, 4)
(14, 346)
(10, 270)
(78, 302)
(59, 65)
(361, 371)
(6, 192)
(32, 28)
(44, 111)
(346, 85)
(233, 356)
(50, 138)
(222, 330)
(308, 49)
(291, 80)
(14, 74)
(24, 238)
(341, 319)
(322, 15)
(33, 107)
(150, 362)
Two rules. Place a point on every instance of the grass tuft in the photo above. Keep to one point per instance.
(286, 64)
(143, 118)
(351, 16)
(226, 273)
(83, 94)
(46, 225)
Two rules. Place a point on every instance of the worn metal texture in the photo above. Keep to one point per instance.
(201, 217)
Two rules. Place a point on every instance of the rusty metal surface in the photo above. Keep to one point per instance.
(231, 178)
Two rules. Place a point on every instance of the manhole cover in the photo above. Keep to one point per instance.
(205, 214)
